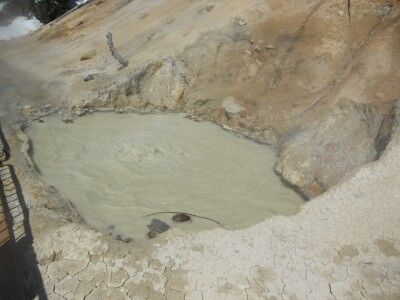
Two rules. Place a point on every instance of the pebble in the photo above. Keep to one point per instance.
(152, 234)
(181, 217)
(67, 119)
(242, 22)
(210, 8)
(88, 77)
(80, 113)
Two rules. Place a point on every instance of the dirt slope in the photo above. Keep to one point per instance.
(315, 81)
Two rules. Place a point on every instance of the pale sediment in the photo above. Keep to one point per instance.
(290, 74)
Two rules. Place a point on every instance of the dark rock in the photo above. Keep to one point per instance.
(88, 77)
(156, 227)
(152, 234)
(127, 240)
(181, 217)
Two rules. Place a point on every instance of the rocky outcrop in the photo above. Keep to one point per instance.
(159, 84)
(317, 157)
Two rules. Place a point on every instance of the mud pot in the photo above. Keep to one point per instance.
(117, 169)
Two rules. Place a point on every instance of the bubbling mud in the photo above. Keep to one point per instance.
(116, 169)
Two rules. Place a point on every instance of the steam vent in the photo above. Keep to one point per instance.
(208, 149)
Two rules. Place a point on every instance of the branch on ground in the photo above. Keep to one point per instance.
(114, 52)
(349, 9)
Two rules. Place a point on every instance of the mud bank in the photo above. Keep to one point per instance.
(328, 250)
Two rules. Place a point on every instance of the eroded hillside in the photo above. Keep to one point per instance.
(315, 80)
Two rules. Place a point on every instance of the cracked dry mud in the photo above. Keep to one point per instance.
(297, 75)
(321, 253)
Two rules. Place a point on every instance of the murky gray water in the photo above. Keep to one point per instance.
(118, 168)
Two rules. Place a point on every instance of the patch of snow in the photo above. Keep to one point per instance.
(2, 5)
(80, 2)
(19, 26)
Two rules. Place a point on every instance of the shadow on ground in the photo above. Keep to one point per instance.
(19, 274)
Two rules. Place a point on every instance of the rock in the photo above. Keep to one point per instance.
(156, 227)
(159, 84)
(210, 8)
(88, 77)
(231, 106)
(242, 22)
(317, 157)
(227, 128)
(40, 120)
(152, 234)
(67, 119)
(80, 113)
(269, 47)
(111, 227)
(257, 48)
(181, 217)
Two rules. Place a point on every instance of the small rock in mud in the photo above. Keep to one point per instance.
(79, 113)
(257, 48)
(110, 227)
(181, 218)
(231, 106)
(67, 119)
(210, 8)
(40, 120)
(156, 227)
(242, 22)
(152, 234)
(88, 77)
